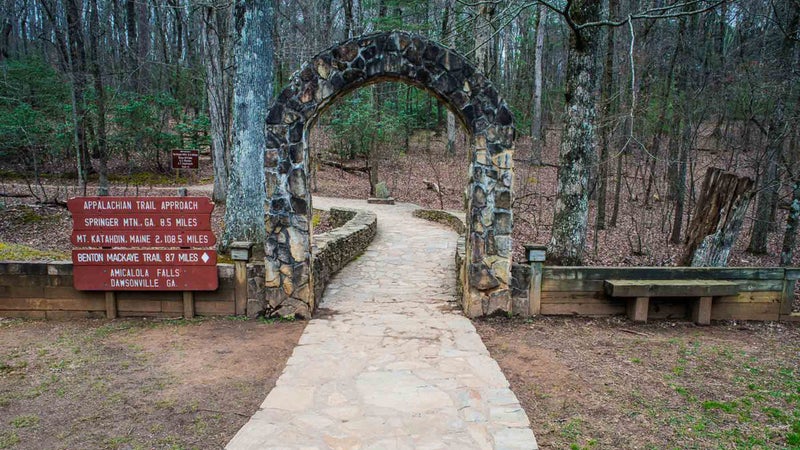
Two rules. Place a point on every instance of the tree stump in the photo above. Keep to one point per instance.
(717, 220)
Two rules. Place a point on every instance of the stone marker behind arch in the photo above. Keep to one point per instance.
(444, 73)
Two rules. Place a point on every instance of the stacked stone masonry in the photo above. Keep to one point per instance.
(446, 74)
(354, 231)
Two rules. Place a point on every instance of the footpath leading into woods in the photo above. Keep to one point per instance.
(389, 362)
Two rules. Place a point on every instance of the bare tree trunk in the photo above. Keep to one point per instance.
(680, 184)
(77, 62)
(768, 182)
(617, 189)
(609, 110)
(216, 48)
(536, 115)
(718, 218)
(252, 93)
(142, 45)
(483, 38)
(449, 36)
(348, 19)
(100, 101)
(576, 153)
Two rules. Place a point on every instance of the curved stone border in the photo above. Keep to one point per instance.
(443, 217)
(334, 249)
(355, 229)
(444, 73)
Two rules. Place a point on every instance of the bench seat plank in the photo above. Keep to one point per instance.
(670, 288)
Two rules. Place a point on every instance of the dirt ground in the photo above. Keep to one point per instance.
(136, 384)
(609, 384)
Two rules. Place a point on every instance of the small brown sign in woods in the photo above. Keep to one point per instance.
(185, 159)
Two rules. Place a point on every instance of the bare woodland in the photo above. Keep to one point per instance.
(622, 103)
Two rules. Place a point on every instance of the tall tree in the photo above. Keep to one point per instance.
(77, 65)
(537, 132)
(216, 23)
(101, 149)
(576, 152)
(608, 102)
(252, 92)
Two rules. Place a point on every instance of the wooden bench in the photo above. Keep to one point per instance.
(639, 292)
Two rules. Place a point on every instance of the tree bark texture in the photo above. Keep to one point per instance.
(101, 153)
(77, 63)
(721, 206)
(536, 115)
(767, 199)
(608, 102)
(252, 93)
(216, 48)
(576, 152)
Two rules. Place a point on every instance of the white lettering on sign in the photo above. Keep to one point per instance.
(179, 205)
(196, 239)
(191, 257)
(130, 272)
(168, 273)
(151, 257)
(186, 221)
(145, 205)
(101, 221)
(134, 283)
(90, 257)
(107, 239)
(104, 205)
(122, 257)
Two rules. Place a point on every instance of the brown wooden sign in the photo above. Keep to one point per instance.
(185, 159)
(141, 239)
(128, 205)
(145, 278)
(136, 234)
(93, 257)
(142, 221)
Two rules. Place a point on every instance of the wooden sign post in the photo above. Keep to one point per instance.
(143, 244)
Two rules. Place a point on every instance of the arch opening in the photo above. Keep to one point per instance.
(453, 80)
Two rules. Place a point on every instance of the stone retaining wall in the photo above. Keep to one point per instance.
(331, 251)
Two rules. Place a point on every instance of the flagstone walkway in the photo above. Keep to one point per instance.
(389, 362)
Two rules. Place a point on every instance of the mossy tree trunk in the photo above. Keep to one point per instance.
(252, 92)
(576, 153)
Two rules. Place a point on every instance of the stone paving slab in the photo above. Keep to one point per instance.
(389, 362)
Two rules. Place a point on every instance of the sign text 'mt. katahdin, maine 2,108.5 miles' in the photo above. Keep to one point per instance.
(143, 243)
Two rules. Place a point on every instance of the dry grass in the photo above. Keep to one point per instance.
(606, 383)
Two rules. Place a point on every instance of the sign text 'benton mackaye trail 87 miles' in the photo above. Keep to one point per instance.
(130, 241)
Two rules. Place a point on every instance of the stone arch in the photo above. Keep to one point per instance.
(412, 59)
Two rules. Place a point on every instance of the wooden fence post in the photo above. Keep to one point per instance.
(535, 254)
(111, 305)
(240, 254)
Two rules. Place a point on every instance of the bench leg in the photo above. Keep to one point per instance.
(637, 309)
(701, 311)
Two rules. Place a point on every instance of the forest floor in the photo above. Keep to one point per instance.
(138, 383)
(641, 237)
(585, 383)
(609, 384)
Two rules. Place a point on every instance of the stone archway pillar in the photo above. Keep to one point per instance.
(444, 73)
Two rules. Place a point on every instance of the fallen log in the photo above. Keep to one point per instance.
(347, 169)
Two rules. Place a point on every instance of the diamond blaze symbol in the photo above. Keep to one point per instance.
(204, 257)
